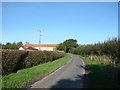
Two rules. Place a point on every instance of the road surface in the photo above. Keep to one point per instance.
(68, 76)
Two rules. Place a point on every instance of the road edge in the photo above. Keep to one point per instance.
(28, 86)
(85, 77)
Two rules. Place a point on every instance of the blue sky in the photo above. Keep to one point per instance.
(87, 22)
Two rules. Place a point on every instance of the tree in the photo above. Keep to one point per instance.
(8, 43)
(13, 46)
(60, 47)
(7, 46)
(19, 44)
(70, 43)
(10, 46)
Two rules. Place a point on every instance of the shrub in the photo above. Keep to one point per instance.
(33, 58)
(14, 60)
(108, 48)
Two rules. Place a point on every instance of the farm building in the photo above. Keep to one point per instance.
(47, 47)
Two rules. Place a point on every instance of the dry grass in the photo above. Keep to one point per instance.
(104, 59)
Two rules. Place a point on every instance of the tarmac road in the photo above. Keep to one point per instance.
(68, 76)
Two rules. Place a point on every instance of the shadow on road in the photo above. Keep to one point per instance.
(79, 82)
(84, 67)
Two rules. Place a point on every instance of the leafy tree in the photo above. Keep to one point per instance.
(60, 47)
(7, 46)
(10, 46)
(70, 43)
(8, 43)
(19, 44)
(13, 46)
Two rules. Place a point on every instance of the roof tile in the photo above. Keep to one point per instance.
(42, 45)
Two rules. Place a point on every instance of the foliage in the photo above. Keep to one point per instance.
(14, 60)
(25, 76)
(109, 48)
(10, 46)
(61, 47)
(68, 45)
(19, 44)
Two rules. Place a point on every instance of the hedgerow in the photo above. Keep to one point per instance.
(108, 48)
(14, 60)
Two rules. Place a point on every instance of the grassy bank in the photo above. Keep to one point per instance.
(101, 75)
(22, 77)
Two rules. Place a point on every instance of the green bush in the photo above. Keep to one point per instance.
(9, 45)
(109, 48)
(34, 58)
(14, 60)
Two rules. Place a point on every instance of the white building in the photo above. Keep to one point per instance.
(47, 47)
(21, 48)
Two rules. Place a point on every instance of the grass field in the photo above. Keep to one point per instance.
(101, 75)
(23, 77)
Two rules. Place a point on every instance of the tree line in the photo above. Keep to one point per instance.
(13, 45)
(109, 48)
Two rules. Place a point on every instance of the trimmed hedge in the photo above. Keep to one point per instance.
(14, 60)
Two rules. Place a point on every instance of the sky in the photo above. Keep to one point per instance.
(87, 22)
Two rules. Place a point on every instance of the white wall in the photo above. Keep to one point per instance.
(46, 48)
(21, 48)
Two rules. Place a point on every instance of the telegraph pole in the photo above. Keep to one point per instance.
(39, 40)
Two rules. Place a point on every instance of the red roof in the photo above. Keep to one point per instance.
(42, 45)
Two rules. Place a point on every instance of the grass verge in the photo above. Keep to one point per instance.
(101, 75)
(23, 77)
